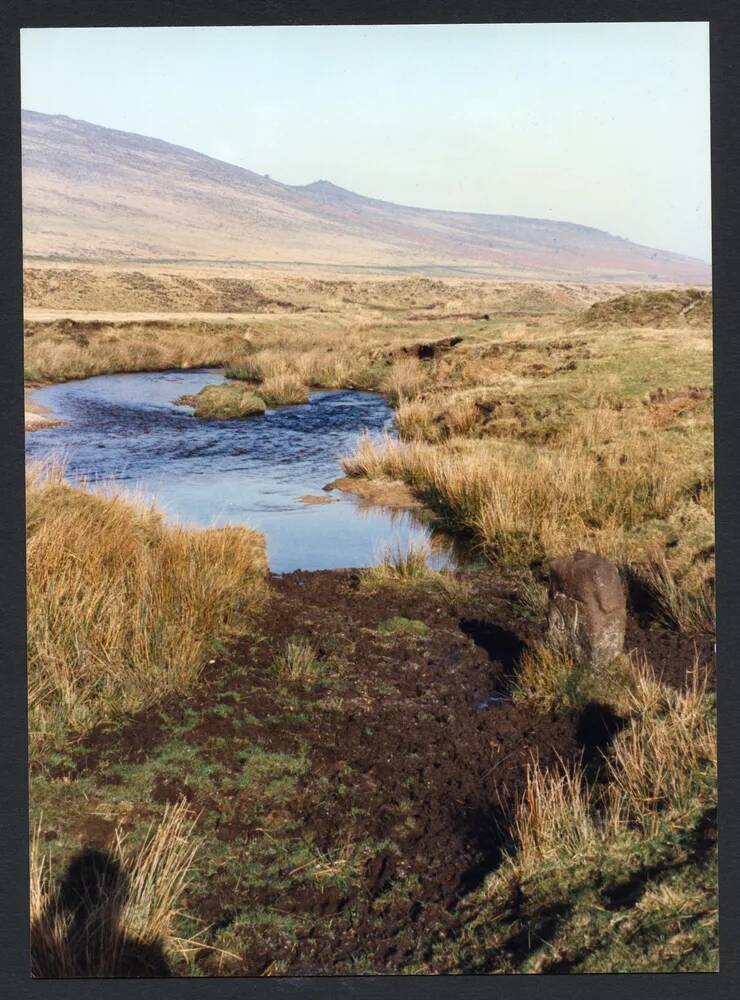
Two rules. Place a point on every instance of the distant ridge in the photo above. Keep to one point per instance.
(101, 195)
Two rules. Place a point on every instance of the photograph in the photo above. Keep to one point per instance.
(369, 499)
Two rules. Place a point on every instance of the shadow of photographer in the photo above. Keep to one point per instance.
(81, 931)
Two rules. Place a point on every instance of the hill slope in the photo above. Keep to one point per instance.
(97, 194)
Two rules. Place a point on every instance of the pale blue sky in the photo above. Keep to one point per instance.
(601, 124)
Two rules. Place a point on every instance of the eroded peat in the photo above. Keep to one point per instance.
(351, 793)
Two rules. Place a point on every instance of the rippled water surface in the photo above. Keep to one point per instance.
(253, 471)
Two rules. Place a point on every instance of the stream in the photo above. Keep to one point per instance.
(127, 429)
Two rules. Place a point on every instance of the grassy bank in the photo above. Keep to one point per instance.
(615, 874)
(66, 349)
(535, 448)
(122, 608)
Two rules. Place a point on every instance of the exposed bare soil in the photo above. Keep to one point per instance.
(376, 799)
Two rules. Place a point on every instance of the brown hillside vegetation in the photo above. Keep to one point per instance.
(198, 290)
(98, 194)
(96, 289)
(657, 309)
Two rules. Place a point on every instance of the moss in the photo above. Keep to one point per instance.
(402, 626)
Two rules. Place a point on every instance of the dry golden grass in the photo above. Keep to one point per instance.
(553, 822)
(226, 402)
(660, 775)
(118, 921)
(405, 379)
(416, 420)
(409, 567)
(532, 595)
(66, 350)
(686, 601)
(546, 678)
(285, 362)
(283, 389)
(663, 767)
(438, 417)
(298, 663)
(123, 608)
(549, 681)
(525, 503)
(402, 564)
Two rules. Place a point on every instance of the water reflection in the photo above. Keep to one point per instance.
(127, 428)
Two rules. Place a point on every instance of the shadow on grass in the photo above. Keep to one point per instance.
(597, 727)
(485, 831)
(89, 905)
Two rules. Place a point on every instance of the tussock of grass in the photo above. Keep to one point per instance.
(123, 608)
(283, 389)
(409, 567)
(546, 679)
(227, 402)
(688, 608)
(438, 417)
(532, 596)
(416, 420)
(550, 681)
(553, 821)
(298, 663)
(400, 565)
(405, 379)
(119, 919)
(663, 767)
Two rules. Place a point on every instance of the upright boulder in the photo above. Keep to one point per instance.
(588, 609)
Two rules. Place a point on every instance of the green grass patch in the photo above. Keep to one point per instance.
(403, 626)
